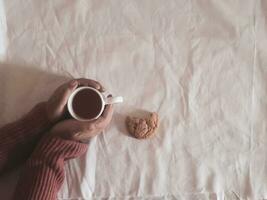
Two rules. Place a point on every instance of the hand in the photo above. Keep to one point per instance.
(82, 131)
(56, 106)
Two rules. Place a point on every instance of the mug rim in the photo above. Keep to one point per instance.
(73, 94)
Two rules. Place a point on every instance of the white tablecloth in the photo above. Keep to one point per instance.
(201, 64)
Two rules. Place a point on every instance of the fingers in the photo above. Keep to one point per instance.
(106, 117)
(70, 86)
(85, 130)
(86, 136)
(108, 111)
(91, 83)
(67, 90)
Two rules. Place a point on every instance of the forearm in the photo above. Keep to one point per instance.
(18, 139)
(43, 174)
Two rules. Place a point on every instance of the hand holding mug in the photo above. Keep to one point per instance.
(56, 106)
(87, 103)
(82, 131)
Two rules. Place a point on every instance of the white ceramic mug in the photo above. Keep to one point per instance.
(105, 100)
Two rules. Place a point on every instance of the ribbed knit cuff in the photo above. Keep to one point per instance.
(43, 174)
(52, 148)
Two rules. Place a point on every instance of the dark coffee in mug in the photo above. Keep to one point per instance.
(87, 104)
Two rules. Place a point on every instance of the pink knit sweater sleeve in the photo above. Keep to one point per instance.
(18, 139)
(43, 174)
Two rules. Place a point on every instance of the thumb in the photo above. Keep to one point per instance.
(68, 89)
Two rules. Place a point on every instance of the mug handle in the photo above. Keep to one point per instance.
(112, 100)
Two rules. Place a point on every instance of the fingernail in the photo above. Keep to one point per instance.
(77, 134)
(73, 83)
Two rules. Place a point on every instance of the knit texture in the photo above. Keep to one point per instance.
(43, 174)
(18, 139)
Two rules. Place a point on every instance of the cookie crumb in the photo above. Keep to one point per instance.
(142, 128)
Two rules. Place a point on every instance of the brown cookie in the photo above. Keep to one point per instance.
(142, 128)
